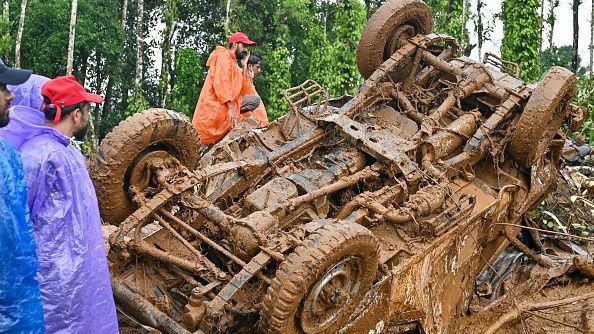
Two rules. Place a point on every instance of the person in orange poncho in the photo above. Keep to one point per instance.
(253, 69)
(221, 98)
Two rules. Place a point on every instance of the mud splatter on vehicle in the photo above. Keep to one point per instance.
(344, 215)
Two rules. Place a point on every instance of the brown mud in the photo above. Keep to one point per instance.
(385, 32)
(403, 193)
(578, 314)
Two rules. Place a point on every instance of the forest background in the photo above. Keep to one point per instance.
(152, 53)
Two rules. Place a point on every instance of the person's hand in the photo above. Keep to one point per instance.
(232, 115)
(244, 62)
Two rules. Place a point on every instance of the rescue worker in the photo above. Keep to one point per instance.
(253, 69)
(74, 275)
(220, 100)
(20, 302)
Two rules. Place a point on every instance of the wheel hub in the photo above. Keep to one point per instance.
(140, 177)
(331, 294)
(400, 37)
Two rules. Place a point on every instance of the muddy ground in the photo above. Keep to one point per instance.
(580, 314)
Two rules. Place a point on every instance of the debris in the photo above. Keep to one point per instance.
(343, 215)
(526, 307)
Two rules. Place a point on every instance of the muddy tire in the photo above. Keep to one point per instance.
(543, 115)
(321, 283)
(388, 29)
(150, 131)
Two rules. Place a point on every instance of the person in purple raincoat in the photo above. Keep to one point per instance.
(74, 275)
(20, 302)
(25, 111)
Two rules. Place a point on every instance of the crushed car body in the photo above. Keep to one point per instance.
(345, 215)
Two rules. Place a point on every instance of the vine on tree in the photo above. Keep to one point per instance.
(521, 36)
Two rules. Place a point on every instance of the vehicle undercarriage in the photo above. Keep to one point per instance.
(345, 214)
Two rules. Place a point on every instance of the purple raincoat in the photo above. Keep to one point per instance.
(25, 111)
(74, 275)
(28, 94)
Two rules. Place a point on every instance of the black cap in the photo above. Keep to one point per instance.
(13, 76)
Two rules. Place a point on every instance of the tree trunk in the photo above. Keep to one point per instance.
(228, 17)
(124, 13)
(139, 40)
(166, 52)
(551, 20)
(108, 101)
(576, 35)
(541, 23)
(6, 17)
(592, 43)
(480, 27)
(166, 65)
(367, 7)
(6, 10)
(125, 94)
(83, 68)
(98, 90)
(70, 62)
(19, 36)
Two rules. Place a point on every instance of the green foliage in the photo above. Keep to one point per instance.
(300, 40)
(188, 77)
(5, 40)
(278, 72)
(585, 98)
(450, 18)
(333, 63)
(559, 56)
(297, 39)
(136, 104)
(521, 36)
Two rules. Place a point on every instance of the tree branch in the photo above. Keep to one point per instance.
(526, 307)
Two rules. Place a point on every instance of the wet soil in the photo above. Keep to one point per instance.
(580, 314)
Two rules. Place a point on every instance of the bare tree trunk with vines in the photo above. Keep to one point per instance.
(19, 36)
(576, 35)
(124, 13)
(72, 35)
(592, 42)
(228, 17)
(541, 23)
(551, 18)
(139, 40)
(6, 10)
(480, 27)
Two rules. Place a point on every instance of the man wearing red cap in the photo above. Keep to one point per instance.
(74, 275)
(220, 101)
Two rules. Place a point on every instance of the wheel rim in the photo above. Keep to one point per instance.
(399, 38)
(330, 294)
(140, 171)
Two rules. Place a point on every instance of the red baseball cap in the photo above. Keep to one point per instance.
(65, 92)
(241, 37)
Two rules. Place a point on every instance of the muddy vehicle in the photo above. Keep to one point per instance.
(346, 215)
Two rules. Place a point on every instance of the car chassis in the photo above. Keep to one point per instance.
(345, 215)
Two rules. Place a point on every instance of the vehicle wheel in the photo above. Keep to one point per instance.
(388, 29)
(543, 115)
(321, 283)
(145, 136)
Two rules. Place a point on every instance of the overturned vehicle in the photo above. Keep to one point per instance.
(346, 215)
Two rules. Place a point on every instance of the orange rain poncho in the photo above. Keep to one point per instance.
(260, 112)
(224, 83)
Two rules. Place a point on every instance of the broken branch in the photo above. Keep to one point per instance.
(547, 263)
(527, 307)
